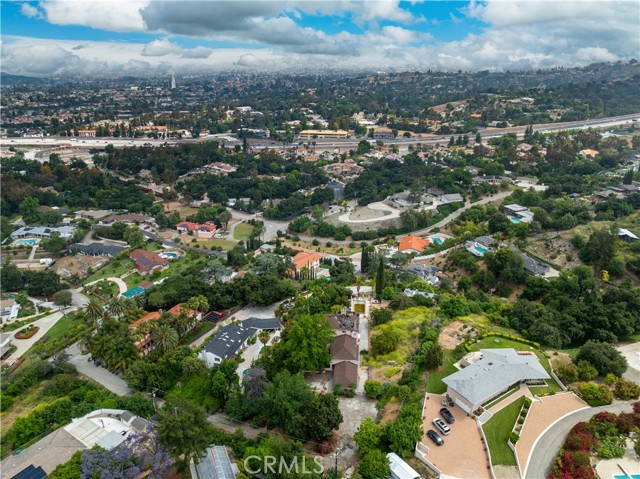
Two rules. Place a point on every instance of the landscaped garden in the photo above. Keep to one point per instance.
(115, 268)
(498, 429)
(27, 332)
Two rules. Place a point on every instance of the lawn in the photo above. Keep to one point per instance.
(226, 245)
(242, 231)
(434, 381)
(497, 431)
(133, 280)
(197, 389)
(115, 268)
(66, 331)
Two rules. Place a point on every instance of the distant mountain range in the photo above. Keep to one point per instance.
(9, 79)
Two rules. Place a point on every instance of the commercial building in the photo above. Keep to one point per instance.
(308, 134)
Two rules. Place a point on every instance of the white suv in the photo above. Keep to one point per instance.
(441, 426)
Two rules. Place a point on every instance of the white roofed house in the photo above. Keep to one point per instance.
(497, 371)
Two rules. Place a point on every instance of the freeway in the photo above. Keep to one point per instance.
(321, 143)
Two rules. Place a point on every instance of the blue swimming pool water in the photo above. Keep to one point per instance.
(133, 292)
(515, 220)
(169, 255)
(26, 241)
(437, 240)
(622, 476)
(480, 249)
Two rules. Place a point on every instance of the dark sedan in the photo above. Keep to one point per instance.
(435, 437)
(446, 414)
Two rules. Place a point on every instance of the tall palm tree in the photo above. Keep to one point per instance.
(165, 338)
(93, 311)
(264, 336)
(117, 307)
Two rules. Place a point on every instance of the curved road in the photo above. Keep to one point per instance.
(550, 442)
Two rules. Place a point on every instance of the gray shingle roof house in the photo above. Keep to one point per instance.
(225, 344)
(97, 249)
(344, 348)
(495, 373)
(534, 267)
(66, 232)
(233, 337)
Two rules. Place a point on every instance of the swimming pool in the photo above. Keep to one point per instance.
(622, 476)
(437, 240)
(169, 255)
(515, 220)
(130, 293)
(26, 241)
(480, 249)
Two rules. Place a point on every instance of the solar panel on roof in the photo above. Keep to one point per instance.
(31, 472)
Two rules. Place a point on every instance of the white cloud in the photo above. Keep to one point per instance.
(163, 47)
(30, 11)
(111, 15)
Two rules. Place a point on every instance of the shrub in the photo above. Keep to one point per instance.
(586, 371)
(611, 447)
(520, 420)
(610, 379)
(513, 437)
(373, 389)
(595, 395)
(626, 390)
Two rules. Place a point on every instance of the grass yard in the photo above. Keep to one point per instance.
(66, 331)
(197, 389)
(434, 381)
(242, 231)
(497, 431)
(226, 245)
(133, 280)
(115, 268)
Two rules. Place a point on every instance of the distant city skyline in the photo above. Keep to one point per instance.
(69, 38)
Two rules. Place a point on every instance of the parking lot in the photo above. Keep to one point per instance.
(463, 454)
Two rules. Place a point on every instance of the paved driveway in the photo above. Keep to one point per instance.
(542, 415)
(632, 353)
(549, 443)
(463, 454)
(23, 345)
(100, 375)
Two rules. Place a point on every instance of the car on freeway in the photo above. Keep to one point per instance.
(446, 414)
(435, 437)
(441, 426)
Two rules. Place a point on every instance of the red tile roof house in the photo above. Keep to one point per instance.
(144, 344)
(413, 244)
(206, 230)
(306, 260)
(147, 262)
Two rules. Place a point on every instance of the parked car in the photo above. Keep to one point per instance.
(435, 437)
(446, 414)
(441, 426)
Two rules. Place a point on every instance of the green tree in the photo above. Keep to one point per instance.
(134, 237)
(165, 338)
(29, 210)
(182, 427)
(285, 401)
(380, 278)
(586, 371)
(93, 311)
(224, 217)
(305, 343)
(51, 218)
(54, 244)
(601, 247)
(604, 357)
(63, 298)
(369, 436)
(384, 342)
(506, 264)
(374, 465)
(322, 416)
(68, 470)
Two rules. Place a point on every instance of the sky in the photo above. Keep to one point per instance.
(67, 38)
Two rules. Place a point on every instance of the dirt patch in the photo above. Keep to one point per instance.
(453, 334)
(556, 249)
(385, 374)
(390, 412)
(366, 213)
(77, 265)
